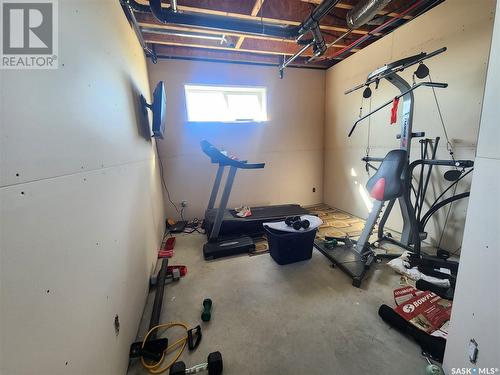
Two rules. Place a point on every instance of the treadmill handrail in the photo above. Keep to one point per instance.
(217, 157)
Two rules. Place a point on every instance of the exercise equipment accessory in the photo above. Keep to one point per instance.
(214, 366)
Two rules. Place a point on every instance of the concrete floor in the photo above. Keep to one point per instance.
(303, 318)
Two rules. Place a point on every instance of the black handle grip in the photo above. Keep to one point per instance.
(194, 337)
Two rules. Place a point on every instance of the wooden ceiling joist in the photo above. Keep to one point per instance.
(257, 7)
(267, 48)
(255, 10)
(254, 18)
(149, 21)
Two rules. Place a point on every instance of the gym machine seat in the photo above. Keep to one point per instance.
(227, 233)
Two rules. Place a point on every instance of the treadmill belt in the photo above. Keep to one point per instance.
(269, 212)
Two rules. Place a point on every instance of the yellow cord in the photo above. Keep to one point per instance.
(155, 367)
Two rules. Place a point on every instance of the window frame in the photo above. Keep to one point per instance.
(226, 89)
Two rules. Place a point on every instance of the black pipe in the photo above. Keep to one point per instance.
(235, 24)
(319, 47)
(317, 14)
(222, 22)
(311, 24)
(158, 302)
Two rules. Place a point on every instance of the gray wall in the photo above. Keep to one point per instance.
(476, 308)
(81, 204)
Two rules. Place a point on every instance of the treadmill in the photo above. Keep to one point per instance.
(229, 234)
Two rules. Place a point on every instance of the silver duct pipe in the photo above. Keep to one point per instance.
(185, 34)
(364, 11)
(173, 5)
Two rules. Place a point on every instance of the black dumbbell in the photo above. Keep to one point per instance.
(301, 224)
(206, 314)
(291, 219)
(296, 223)
(213, 365)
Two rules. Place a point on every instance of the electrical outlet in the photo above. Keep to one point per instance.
(184, 203)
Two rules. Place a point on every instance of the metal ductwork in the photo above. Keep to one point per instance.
(231, 24)
(312, 24)
(364, 11)
(167, 15)
(171, 15)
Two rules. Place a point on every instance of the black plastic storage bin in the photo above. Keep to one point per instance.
(290, 247)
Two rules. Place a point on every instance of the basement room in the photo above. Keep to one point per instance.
(251, 187)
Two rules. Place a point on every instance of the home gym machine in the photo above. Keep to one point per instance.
(229, 234)
(393, 179)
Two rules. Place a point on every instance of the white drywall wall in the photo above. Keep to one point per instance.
(462, 26)
(476, 307)
(291, 143)
(80, 199)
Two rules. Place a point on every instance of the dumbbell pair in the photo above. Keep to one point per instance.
(297, 223)
(213, 365)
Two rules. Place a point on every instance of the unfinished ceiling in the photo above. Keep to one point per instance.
(174, 40)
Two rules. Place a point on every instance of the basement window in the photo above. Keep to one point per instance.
(231, 104)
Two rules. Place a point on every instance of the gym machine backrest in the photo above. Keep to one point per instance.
(386, 183)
